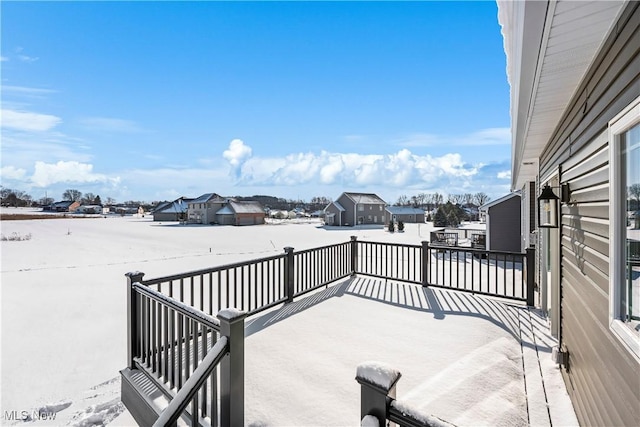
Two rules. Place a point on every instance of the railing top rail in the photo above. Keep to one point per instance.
(322, 247)
(404, 245)
(470, 249)
(191, 312)
(179, 403)
(210, 270)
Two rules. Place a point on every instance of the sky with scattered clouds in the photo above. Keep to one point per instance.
(155, 100)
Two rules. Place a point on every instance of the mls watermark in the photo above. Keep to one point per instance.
(33, 415)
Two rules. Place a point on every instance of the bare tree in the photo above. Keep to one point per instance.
(437, 199)
(403, 200)
(468, 199)
(481, 198)
(73, 195)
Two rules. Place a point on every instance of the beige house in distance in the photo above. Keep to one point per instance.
(203, 209)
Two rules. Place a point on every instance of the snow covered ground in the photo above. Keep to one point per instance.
(63, 327)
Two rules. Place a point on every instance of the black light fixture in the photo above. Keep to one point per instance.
(548, 208)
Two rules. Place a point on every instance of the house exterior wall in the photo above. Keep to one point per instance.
(602, 378)
(165, 216)
(204, 213)
(367, 213)
(503, 225)
(249, 218)
(337, 219)
(406, 218)
(348, 215)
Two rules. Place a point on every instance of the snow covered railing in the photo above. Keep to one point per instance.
(168, 341)
(378, 404)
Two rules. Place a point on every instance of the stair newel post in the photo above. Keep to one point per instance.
(232, 368)
(289, 273)
(377, 389)
(133, 317)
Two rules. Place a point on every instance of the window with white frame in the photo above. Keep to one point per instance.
(624, 214)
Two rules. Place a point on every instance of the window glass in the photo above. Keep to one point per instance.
(630, 296)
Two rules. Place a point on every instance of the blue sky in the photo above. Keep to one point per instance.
(156, 100)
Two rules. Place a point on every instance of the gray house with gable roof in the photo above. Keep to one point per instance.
(355, 209)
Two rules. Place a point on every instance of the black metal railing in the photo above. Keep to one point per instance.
(250, 286)
(171, 328)
(390, 261)
(495, 273)
(314, 268)
(168, 340)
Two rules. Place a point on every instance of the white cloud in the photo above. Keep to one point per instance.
(3, 58)
(109, 124)
(11, 172)
(26, 91)
(397, 170)
(504, 175)
(28, 121)
(46, 174)
(27, 58)
(237, 152)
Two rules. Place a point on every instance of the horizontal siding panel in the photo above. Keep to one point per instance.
(596, 226)
(579, 265)
(611, 386)
(587, 160)
(583, 254)
(599, 193)
(574, 212)
(578, 238)
(596, 177)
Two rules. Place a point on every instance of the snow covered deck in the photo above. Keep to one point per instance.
(460, 355)
(468, 359)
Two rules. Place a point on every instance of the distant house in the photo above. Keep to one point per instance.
(64, 206)
(241, 213)
(171, 211)
(405, 214)
(503, 217)
(355, 209)
(202, 210)
(89, 209)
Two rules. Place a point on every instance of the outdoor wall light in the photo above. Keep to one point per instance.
(548, 208)
(548, 205)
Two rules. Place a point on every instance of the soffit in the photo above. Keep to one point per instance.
(559, 45)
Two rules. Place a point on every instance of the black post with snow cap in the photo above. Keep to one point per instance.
(289, 273)
(377, 389)
(133, 336)
(354, 255)
(232, 368)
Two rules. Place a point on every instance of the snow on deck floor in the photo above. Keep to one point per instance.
(460, 357)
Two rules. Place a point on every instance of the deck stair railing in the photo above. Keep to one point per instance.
(378, 403)
(195, 360)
